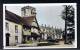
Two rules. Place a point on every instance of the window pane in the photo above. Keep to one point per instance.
(16, 38)
(16, 29)
(7, 26)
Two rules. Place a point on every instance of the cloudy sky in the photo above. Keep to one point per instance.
(46, 14)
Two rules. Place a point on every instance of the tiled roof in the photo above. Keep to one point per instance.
(28, 20)
(12, 17)
(20, 20)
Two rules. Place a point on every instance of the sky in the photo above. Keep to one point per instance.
(46, 14)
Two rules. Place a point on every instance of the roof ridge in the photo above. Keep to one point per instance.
(12, 13)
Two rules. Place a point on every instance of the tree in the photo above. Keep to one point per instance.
(68, 16)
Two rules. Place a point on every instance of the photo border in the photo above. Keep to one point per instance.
(48, 4)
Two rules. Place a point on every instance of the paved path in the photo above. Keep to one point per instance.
(61, 45)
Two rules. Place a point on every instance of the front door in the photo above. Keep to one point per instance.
(7, 39)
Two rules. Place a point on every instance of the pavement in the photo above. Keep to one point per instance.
(60, 45)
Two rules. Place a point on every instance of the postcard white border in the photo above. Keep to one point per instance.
(40, 4)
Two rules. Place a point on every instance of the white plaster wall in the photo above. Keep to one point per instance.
(13, 34)
(19, 34)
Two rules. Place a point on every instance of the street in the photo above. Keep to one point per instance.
(58, 45)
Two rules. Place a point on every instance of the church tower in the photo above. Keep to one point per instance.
(28, 11)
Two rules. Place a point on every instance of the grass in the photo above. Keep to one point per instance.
(29, 42)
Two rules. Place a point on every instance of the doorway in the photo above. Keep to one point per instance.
(7, 39)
